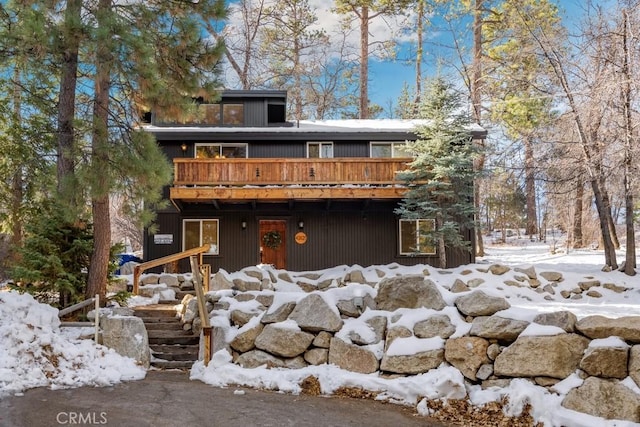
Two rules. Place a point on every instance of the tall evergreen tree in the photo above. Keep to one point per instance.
(441, 174)
(135, 56)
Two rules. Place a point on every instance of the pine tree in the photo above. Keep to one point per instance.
(441, 175)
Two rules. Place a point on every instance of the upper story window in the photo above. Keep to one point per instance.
(204, 114)
(233, 114)
(221, 151)
(320, 150)
(413, 237)
(389, 149)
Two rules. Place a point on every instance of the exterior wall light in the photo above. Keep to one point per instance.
(243, 224)
(300, 224)
(183, 147)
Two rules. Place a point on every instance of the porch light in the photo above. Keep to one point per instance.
(243, 224)
(183, 147)
(300, 224)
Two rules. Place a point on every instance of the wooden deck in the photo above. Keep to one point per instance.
(286, 179)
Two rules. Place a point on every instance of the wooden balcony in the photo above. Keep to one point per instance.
(286, 179)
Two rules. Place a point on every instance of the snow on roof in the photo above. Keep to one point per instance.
(320, 126)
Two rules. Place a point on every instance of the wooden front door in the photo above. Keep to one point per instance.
(273, 243)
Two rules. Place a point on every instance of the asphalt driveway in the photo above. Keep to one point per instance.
(169, 398)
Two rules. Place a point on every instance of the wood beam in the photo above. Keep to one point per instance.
(195, 194)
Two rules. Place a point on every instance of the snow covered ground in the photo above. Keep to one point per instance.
(446, 381)
(34, 352)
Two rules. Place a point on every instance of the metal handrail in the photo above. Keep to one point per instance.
(138, 269)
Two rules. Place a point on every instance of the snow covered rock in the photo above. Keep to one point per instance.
(127, 336)
(170, 280)
(496, 327)
(317, 356)
(279, 313)
(438, 325)
(554, 356)
(246, 338)
(552, 276)
(415, 363)
(562, 319)
(314, 314)
(608, 399)
(627, 328)
(255, 358)
(408, 292)
(283, 339)
(220, 281)
(352, 357)
(467, 354)
(477, 303)
(606, 362)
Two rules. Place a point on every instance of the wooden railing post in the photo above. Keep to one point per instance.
(205, 270)
(198, 273)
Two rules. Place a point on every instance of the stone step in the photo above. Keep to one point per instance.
(159, 319)
(164, 326)
(175, 352)
(163, 333)
(173, 339)
(155, 310)
(172, 364)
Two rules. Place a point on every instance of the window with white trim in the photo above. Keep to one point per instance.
(320, 150)
(199, 232)
(389, 149)
(221, 150)
(413, 237)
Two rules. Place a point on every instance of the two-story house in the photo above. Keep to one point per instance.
(300, 196)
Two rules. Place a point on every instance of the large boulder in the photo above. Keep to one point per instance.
(562, 319)
(496, 327)
(314, 314)
(246, 338)
(408, 292)
(128, 336)
(634, 364)
(412, 364)
(627, 328)
(555, 356)
(279, 313)
(467, 354)
(606, 362)
(438, 325)
(477, 303)
(377, 325)
(352, 357)
(608, 399)
(283, 340)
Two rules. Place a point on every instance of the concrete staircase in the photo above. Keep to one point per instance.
(171, 346)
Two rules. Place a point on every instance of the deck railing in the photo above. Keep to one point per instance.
(231, 172)
(140, 268)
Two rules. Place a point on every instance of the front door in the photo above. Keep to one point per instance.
(273, 248)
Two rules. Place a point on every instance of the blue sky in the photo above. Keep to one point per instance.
(387, 78)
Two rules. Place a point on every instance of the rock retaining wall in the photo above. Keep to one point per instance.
(375, 321)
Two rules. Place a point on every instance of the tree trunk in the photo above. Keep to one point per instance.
(66, 104)
(17, 181)
(442, 248)
(577, 215)
(364, 63)
(419, 50)
(476, 100)
(99, 265)
(587, 145)
(630, 255)
(530, 188)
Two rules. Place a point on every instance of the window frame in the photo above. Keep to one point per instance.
(215, 248)
(239, 106)
(320, 144)
(222, 145)
(417, 242)
(393, 145)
